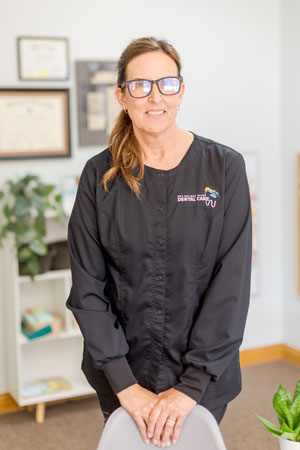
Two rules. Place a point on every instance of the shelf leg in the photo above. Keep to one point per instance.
(40, 412)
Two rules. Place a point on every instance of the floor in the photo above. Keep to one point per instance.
(77, 425)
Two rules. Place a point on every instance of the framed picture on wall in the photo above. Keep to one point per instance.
(34, 123)
(97, 105)
(43, 58)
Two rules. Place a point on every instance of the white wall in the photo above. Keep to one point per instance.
(290, 148)
(231, 65)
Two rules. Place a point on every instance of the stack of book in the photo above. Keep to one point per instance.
(37, 322)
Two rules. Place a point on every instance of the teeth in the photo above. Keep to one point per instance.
(155, 113)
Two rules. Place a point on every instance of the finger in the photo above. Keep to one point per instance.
(152, 419)
(168, 430)
(160, 423)
(177, 429)
(142, 428)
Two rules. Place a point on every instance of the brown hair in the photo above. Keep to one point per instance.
(123, 145)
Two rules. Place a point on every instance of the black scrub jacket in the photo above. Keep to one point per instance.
(161, 284)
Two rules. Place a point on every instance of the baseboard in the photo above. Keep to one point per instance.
(291, 354)
(262, 355)
(247, 357)
(269, 354)
(8, 405)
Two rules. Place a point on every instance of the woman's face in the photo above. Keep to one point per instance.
(155, 113)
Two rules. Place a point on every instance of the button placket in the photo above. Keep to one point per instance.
(159, 271)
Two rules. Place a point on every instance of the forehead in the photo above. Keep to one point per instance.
(151, 66)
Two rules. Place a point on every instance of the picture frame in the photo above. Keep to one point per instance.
(35, 123)
(43, 58)
(97, 105)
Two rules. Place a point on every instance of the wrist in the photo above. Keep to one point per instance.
(125, 392)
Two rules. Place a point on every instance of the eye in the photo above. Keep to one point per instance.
(169, 85)
(139, 87)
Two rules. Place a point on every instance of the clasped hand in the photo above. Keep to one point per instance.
(158, 416)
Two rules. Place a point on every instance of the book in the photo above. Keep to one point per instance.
(37, 322)
(45, 386)
(38, 333)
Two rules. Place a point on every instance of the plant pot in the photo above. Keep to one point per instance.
(45, 261)
(61, 259)
(288, 445)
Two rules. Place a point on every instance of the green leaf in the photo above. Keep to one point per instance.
(49, 188)
(274, 429)
(44, 190)
(283, 410)
(38, 247)
(286, 428)
(1, 194)
(285, 396)
(32, 267)
(289, 436)
(22, 207)
(25, 254)
(40, 227)
(11, 226)
(7, 211)
(297, 390)
(295, 411)
(58, 198)
(26, 235)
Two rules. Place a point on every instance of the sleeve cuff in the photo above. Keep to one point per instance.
(193, 382)
(118, 374)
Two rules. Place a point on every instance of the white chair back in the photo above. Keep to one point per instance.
(200, 431)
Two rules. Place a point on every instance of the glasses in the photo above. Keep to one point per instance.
(142, 88)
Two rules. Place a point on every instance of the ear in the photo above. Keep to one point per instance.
(120, 96)
(181, 93)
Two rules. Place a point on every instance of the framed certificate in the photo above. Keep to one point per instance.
(43, 58)
(97, 105)
(34, 123)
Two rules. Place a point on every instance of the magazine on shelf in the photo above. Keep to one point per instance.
(45, 386)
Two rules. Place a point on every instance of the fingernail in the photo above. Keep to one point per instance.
(175, 441)
(149, 435)
(147, 441)
(163, 445)
(169, 444)
(155, 442)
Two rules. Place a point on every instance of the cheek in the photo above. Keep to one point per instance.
(172, 104)
(136, 109)
(136, 114)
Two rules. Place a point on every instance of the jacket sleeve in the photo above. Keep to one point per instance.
(103, 336)
(218, 330)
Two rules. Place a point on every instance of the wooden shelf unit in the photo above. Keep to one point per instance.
(47, 356)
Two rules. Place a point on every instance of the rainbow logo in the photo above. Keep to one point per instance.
(211, 193)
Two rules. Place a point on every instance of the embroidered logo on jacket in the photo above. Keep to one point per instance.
(209, 197)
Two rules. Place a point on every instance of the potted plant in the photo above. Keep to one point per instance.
(27, 204)
(288, 411)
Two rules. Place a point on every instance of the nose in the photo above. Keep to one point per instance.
(155, 95)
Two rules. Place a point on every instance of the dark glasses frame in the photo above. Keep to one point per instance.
(126, 83)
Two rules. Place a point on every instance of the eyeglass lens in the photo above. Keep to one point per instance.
(142, 88)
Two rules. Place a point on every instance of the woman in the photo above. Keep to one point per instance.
(160, 248)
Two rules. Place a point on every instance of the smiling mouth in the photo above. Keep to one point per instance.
(156, 113)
